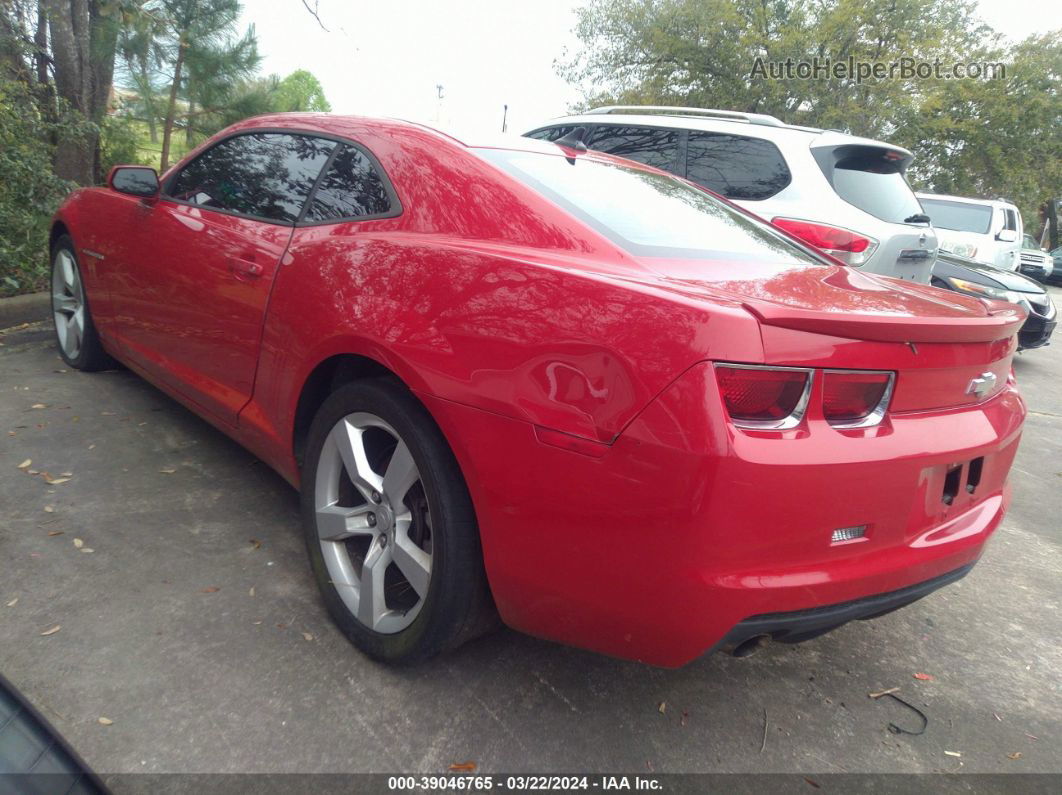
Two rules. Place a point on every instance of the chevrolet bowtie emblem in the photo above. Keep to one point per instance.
(981, 385)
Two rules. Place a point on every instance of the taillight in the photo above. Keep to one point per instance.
(771, 398)
(855, 398)
(844, 244)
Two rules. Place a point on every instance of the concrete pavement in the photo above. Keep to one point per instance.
(194, 625)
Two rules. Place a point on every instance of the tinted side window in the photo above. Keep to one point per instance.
(550, 133)
(650, 145)
(350, 188)
(735, 166)
(265, 175)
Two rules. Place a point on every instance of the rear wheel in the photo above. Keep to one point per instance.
(75, 333)
(389, 526)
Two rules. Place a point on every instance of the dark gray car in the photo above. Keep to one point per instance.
(966, 276)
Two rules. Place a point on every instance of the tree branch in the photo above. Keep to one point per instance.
(313, 12)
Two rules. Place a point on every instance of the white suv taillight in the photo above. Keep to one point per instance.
(844, 244)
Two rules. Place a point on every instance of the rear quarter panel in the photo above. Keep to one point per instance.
(482, 293)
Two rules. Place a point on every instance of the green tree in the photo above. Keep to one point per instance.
(300, 91)
(997, 137)
(703, 53)
(207, 60)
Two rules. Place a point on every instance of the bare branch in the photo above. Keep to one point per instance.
(313, 11)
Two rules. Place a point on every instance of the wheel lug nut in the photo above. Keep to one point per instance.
(372, 520)
(376, 496)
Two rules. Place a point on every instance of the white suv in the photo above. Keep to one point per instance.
(843, 194)
(987, 230)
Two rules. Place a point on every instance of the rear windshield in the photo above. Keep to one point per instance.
(959, 216)
(868, 178)
(648, 214)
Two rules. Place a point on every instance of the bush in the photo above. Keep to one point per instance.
(29, 190)
(119, 143)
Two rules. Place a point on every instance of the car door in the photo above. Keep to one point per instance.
(192, 294)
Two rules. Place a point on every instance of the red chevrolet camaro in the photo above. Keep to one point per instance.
(526, 381)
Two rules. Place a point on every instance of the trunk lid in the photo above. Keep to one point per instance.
(840, 302)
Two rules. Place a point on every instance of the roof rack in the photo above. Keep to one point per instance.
(665, 110)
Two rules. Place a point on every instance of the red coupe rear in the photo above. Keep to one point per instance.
(526, 381)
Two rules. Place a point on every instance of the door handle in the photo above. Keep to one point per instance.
(244, 269)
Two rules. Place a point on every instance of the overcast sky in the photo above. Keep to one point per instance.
(385, 58)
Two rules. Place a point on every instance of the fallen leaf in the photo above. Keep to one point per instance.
(251, 592)
(813, 783)
(256, 543)
(67, 474)
(662, 708)
(38, 406)
(953, 753)
(55, 533)
(463, 767)
(13, 602)
(87, 549)
(167, 471)
(256, 623)
(33, 471)
(685, 718)
(307, 636)
(1015, 755)
(1031, 736)
(49, 509)
(994, 715)
(78, 543)
(25, 464)
(52, 631)
(53, 481)
(881, 693)
(923, 677)
(210, 589)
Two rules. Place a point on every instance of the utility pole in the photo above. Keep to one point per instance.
(505, 118)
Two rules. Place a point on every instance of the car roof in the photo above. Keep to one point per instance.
(778, 131)
(349, 126)
(965, 199)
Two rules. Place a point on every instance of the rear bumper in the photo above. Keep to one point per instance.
(658, 546)
(800, 625)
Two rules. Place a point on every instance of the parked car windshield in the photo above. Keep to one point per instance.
(647, 213)
(959, 216)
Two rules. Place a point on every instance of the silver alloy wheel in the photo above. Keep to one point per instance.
(68, 304)
(371, 512)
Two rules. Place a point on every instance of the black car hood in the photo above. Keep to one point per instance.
(949, 264)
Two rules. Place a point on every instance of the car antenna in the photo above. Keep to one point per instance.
(573, 140)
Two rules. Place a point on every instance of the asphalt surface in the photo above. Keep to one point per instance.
(193, 626)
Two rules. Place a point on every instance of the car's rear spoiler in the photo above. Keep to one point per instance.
(1001, 321)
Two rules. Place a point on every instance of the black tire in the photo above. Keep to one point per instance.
(458, 605)
(91, 356)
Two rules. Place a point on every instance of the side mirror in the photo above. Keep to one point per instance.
(141, 181)
(1007, 236)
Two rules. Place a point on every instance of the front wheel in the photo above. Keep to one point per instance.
(390, 527)
(75, 333)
